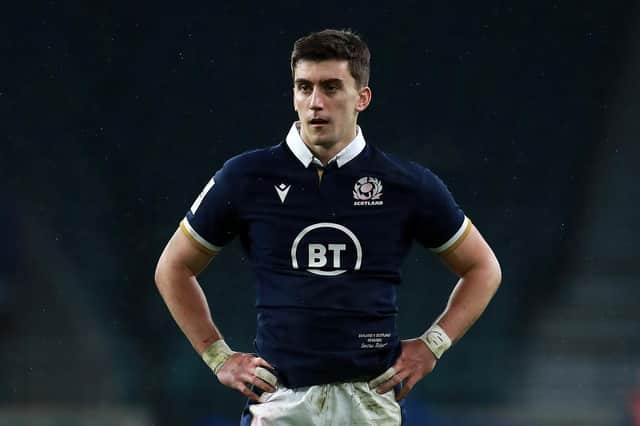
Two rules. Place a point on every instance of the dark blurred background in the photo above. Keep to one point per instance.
(114, 116)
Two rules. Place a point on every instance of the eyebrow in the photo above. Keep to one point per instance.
(322, 82)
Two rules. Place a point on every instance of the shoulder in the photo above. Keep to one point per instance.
(240, 170)
(414, 173)
(249, 162)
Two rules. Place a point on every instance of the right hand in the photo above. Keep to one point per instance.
(239, 372)
(413, 364)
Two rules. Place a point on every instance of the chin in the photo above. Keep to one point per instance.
(323, 142)
(319, 139)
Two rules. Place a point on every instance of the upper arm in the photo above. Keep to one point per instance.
(439, 221)
(214, 219)
(472, 252)
(184, 254)
(210, 223)
(444, 229)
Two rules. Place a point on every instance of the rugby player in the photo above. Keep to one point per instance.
(325, 219)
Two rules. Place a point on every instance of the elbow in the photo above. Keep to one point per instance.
(160, 272)
(157, 276)
(495, 274)
(170, 272)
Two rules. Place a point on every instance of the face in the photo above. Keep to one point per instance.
(327, 101)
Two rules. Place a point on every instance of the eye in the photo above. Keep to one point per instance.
(304, 87)
(331, 87)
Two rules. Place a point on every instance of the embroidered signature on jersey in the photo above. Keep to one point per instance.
(367, 192)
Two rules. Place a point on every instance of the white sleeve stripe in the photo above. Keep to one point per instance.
(198, 200)
(455, 238)
(206, 244)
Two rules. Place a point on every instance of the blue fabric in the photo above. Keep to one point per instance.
(326, 253)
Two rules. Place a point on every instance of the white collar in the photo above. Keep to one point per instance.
(306, 157)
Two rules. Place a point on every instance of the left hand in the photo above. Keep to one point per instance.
(241, 370)
(415, 362)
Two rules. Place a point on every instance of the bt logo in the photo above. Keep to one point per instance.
(332, 256)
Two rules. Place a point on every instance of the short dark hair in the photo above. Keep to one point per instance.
(335, 44)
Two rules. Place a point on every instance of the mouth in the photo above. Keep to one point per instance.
(318, 122)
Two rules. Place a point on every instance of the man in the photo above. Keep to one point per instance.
(326, 219)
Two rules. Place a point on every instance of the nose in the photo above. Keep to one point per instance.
(315, 101)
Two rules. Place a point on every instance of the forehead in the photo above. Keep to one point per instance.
(323, 70)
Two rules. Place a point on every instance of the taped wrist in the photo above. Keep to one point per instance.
(436, 340)
(216, 355)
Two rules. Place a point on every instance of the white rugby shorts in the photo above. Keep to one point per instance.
(336, 404)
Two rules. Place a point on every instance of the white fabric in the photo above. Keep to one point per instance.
(436, 340)
(327, 405)
(377, 381)
(217, 354)
(267, 376)
(306, 157)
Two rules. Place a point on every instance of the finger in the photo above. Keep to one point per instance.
(263, 362)
(267, 376)
(389, 384)
(377, 381)
(260, 384)
(247, 392)
(410, 383)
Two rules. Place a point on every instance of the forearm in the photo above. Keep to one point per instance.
(469, 298)
(188, 305)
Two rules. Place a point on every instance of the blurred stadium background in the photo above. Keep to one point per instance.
(113, 117)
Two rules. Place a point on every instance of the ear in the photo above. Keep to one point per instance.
(293, 98)
(364, 100)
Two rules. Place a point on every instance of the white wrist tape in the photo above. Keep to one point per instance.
(436, 340)
(216, 355)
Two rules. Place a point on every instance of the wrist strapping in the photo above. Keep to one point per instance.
(216, 355)
(436, 340)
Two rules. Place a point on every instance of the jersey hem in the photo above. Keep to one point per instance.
(200, 243)
(456, 239)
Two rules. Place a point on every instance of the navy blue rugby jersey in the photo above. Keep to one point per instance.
(326, 252)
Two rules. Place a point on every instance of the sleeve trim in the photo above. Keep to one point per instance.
(457, 238)
(206, 246)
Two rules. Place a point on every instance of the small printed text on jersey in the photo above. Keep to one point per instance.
(367, 192)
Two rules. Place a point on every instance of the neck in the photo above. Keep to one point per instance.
(326, 151)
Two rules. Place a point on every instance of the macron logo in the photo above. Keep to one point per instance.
(282, 191)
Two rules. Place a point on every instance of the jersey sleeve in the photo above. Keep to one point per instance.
(212, 220)
(440, 224)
